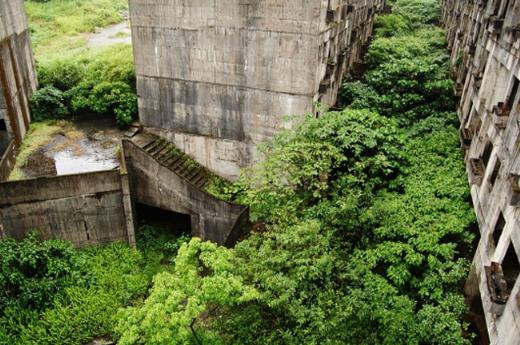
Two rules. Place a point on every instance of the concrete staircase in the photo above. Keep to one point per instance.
(172, 158)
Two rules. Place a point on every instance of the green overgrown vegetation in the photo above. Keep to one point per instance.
(53, 294)
(367, 221)
(366, 237)
(73, 79)
(60, 27)
(101, 82)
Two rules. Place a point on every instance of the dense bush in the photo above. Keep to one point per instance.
(33, 272)
(418, 12)
(391, 25)
(53, 294)
(407, 77)
(101, 83)
(49, 103)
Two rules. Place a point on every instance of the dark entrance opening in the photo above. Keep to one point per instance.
(477, 322)
(168, 222)
(4, 137)
(511, 267)
(499, 227)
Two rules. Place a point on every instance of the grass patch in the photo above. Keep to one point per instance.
(60, 26)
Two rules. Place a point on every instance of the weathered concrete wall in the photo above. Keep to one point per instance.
(217, 78)
(154, 184)
(8, 160)
(84, 209)
(484, 37)
(17, 74)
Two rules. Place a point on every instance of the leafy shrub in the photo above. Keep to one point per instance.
(62, 74)
(305, 166)
(33, 272)
(424, 43)
(154, 240)
(178, 298)
(84, 312)
(391, 25)
(101, 83)
(418, 12)
(117, 98)
(48, 103)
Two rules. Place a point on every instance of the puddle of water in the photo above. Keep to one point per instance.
(87, 145)
(66, 163)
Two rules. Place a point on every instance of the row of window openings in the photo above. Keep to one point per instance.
(504, 274)
(501, 111)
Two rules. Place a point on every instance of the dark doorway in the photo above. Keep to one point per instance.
(499, 227)
(172, 223)
(477, 322)
(511, 267)
(4, 137)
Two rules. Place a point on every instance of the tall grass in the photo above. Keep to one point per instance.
(60, 26)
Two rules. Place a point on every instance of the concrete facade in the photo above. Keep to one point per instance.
(484, 37)
(84, 209)
(17, 73)
(218, 77)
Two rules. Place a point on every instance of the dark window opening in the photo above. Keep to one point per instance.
(512, 94)
(4, 137)
(166, 223)
(504, 10)
(477, 322)
(494, 174)
(487, 153)
(499, 227)
(510, 267)
(497, 8)
(353, 37)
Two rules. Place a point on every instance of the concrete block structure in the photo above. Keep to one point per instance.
(17, 74)
(484, 37)
(218, 77)
(86, 209)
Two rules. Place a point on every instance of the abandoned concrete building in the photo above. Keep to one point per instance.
(17, 77)
(218, 77)
(215, 79)
(484, 38)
